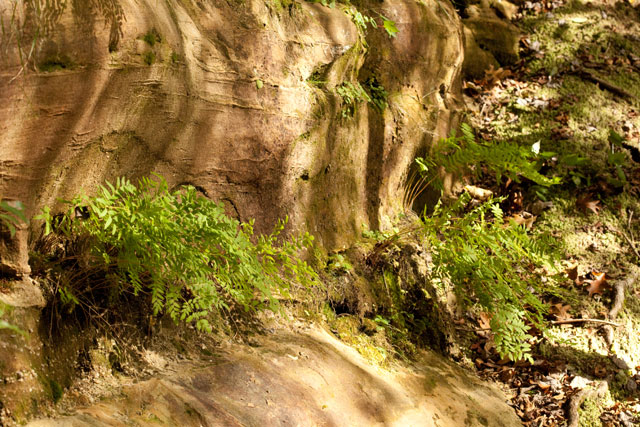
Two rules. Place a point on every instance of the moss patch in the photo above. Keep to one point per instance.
(589, 413)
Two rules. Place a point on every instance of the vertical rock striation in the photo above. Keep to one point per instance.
(236, 97)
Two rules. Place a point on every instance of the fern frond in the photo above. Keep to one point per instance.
(182, 249)
(488, 262)
(462, 155)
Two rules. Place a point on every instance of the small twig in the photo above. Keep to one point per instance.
(33, 45)
(600, 321)
(630, 242)
(384, 279)
(460, 328)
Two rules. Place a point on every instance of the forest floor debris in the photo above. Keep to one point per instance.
(574, 98)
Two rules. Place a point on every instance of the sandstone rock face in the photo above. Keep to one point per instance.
(491, 40)
(493, 34)
(331, 385)
(236, 97)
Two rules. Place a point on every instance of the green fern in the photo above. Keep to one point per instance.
(378, 94)
(463, 155)
(363, 21)
(12, 215)
(179, 247)
(352, 94)
(491, 263)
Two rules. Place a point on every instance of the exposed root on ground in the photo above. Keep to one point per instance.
(617, 90)
(573, 419)
(618, 303)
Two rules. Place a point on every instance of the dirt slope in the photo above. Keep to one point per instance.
(306, 377)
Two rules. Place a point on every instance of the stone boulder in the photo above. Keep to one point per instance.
(490, 40)
(476, 60)
(235, 97)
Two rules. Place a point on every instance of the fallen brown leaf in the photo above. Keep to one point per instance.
(521, 220)
(479, 193)
(484, 320)
(544, 386)
(492, 76)
(555, 103)
(572, 273)
(597, 285)
(587, 202)
(561, 311)
(600, 371)
(561, 133)
(563, 118)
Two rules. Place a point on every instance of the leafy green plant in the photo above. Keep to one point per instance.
(11, 215)
(326, 3)
(617, 159)
(56, 390)
(464, 155)
(352, 94)
(377, 94)
(338, 263)
(492, 263)
(389, 26)
(6, 325)
(574, 167)
(178, 247)
(362, 22)
(152, 37)
(489, 261)
(149, 57)
(378, 235)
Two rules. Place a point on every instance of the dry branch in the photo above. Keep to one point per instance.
(618, 302)
(570, 321)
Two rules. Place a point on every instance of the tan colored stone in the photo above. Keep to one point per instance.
(24, 293)
(505, 9)
(306, 378)
(195, 115)
(495, 35)
(476, 60)
(14, 253)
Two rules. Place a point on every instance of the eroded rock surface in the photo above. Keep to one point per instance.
(303, 378)
(237, 98)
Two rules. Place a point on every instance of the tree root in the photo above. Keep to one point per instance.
(587, 75)
(576, 400)
(571, 321)
(618, 302)
(631, 243)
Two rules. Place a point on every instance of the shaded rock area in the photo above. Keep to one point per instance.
(491, 40)
(236, 98)
(239, 99)
(302, 378)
